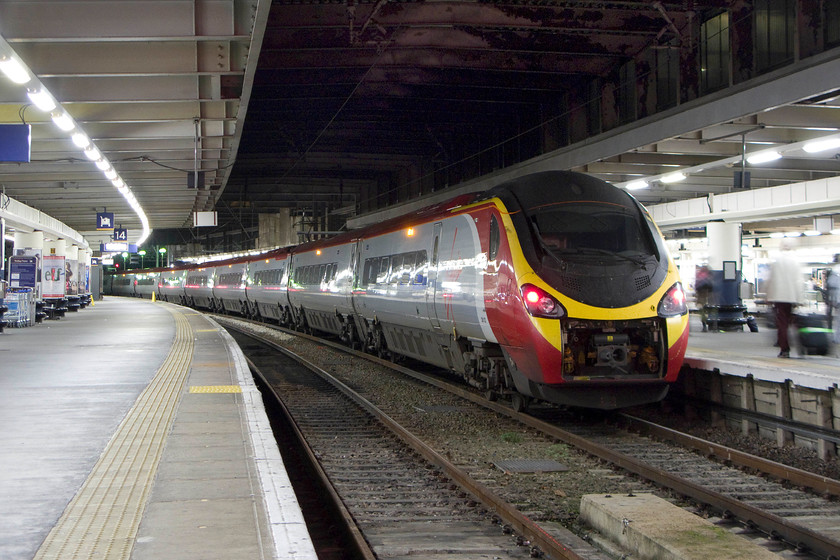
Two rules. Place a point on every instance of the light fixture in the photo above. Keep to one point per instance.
(81, 140)
(793, 234)
(42, 99)
(14, 70)
(636, 185)
(821, 145)
(812, 233)
(777, 234)
(63, 121)
(674, 177)
(764, 157)
(18, 72)
(93, 153)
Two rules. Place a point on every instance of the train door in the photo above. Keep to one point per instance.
(355, 279)
(432, 283)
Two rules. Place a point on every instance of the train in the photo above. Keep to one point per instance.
(555, 286)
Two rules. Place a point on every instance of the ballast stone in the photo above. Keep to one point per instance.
(652, 528)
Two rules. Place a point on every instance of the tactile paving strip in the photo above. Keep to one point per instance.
(103, 518)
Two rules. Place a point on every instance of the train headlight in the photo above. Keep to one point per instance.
(673, 302)
(540, 304)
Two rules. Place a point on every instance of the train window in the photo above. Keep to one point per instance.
(591, 226)
(420, 266)
(384, 264)
(396, 269)
(366, 272)
(494, 238)
(409, 265)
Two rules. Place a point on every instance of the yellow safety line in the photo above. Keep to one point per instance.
(215, 389)
(103, 519)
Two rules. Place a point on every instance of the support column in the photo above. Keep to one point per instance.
(31, 245)
(71, 272)
(727, 311)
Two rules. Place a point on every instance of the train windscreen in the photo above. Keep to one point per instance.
(584, 226)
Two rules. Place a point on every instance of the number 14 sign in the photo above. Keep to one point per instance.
(120, 234)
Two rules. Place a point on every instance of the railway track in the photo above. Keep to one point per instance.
(404, 499)
(796, 521)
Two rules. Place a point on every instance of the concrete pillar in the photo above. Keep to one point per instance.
(725, 264)
(31, 245)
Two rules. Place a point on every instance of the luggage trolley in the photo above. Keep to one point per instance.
(20, 312)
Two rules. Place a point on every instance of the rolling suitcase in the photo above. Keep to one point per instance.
(814, 334)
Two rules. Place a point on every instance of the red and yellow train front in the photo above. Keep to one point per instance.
(586, 302)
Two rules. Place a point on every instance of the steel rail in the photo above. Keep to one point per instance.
(799, 477)
(508, 513)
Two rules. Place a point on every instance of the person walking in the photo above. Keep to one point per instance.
(785, 292)
(703, 289)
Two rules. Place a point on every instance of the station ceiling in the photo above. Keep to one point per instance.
(334, 106)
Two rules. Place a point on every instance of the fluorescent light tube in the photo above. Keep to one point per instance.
(675, 177)
(764, 157)
(42, 99)
(63, 121)
(636, 185)
(14, 70)
(821, 145)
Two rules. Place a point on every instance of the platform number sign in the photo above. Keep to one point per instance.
(104, 221)
(120, 234)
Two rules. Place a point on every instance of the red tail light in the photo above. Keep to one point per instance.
(540, 304)
(673, 302)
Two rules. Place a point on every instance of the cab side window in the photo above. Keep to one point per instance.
(494, 238)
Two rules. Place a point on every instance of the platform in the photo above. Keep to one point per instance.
(133, 429)
(743, 353)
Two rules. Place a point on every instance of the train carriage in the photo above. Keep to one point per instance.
(146, 283)
(171, 284)
(229, 286)
(267, 287)
(122, 284)
(198, 287)
(416, 286)
(321, 286)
